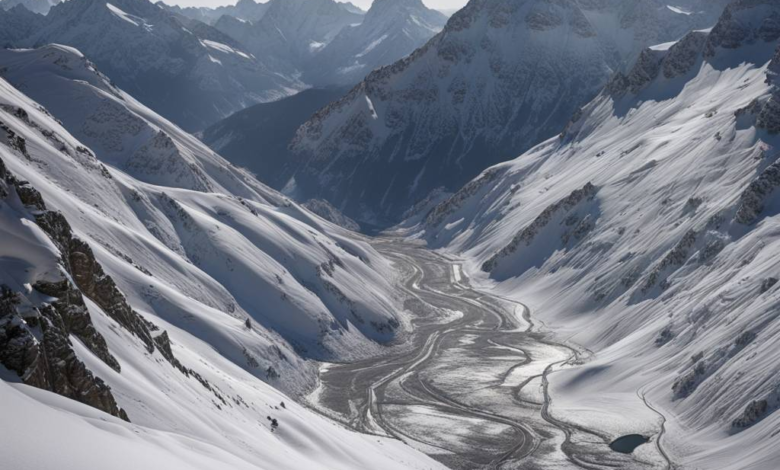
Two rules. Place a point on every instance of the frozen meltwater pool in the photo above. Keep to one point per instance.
(627, 444)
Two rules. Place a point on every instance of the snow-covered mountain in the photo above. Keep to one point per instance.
(648, 233)
(391, 29)
(247, 10)
(502, 76)
(185, 233)
(257, 138)
(291, 32)
(41, 7)
(145, 277)
(18, 23)
(164, 59)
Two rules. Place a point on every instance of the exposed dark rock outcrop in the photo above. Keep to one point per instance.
(769, 114)
(437, 215)
(528, 234)
(739, 26)
(36, 345)
(754, 412)
(751, 203)
(704, 368)
(676, 257)
(79, 260)
(677, 61)
(768, 284)
(326, 210)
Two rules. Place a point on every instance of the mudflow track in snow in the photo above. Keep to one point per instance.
(472, 389)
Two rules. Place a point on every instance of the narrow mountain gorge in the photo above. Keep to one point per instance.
(471, 98)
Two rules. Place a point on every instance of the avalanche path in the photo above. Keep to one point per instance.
(470, 388)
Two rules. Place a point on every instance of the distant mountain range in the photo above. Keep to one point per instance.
(41, 7)
(390, 30)
(495, 82)
(163, 58)
(253, 53)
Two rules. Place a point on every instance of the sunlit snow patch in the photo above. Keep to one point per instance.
(122, 15)
(679, 10)
(223, 48)
(372, 46)
(315, 46)
(371, 108)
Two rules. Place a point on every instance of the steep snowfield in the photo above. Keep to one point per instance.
(502, 76)
(391, 29)
(648, 233)
(193, 240)
(164, 59)
(235, 285)
(76, 436)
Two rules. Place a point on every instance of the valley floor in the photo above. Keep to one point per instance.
(473, 390)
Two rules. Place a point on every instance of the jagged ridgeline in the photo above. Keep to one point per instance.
(495, 82)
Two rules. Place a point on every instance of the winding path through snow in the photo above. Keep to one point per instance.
(445, 392)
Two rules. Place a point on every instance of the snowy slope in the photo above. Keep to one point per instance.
(164, 59)
(215, 416)
(391, 29)
(218, 246)
(184, 310)
(502, 76)
(648, 232)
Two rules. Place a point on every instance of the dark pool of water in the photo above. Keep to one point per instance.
(627, 444)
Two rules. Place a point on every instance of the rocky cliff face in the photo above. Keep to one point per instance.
(563, 211)
(18, 23)
(36, 324)
(38, 318)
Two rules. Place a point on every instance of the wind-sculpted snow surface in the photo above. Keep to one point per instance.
(498, 80)
(180, 309)
(672, 280)
(163, 58)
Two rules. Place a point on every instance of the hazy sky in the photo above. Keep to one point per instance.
(440, 4)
